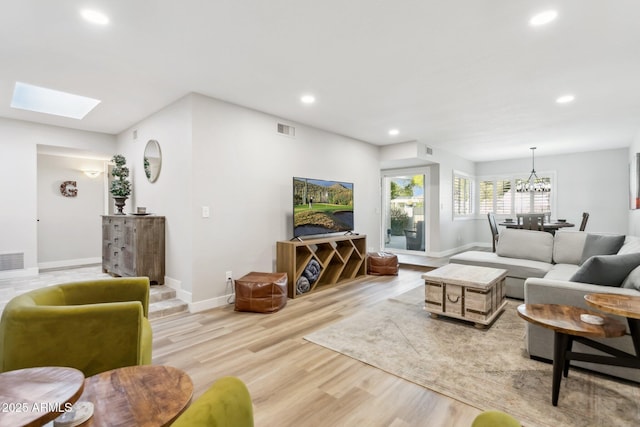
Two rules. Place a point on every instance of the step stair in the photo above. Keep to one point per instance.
(163, 302)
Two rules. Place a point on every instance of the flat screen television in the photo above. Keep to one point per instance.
(321, 207)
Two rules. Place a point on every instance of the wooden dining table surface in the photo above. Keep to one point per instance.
(548, 226)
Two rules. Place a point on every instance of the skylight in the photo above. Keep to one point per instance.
(49, 101)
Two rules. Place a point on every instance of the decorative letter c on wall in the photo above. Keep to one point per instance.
(69, 189)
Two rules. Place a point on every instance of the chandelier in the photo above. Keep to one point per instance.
(533, 184)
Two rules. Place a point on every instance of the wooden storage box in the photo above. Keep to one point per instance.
(465, 292)
(480, 304)
(433, 296)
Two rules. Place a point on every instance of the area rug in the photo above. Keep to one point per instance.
(488, 369)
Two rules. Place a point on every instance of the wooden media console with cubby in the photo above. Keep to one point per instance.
(335, 259)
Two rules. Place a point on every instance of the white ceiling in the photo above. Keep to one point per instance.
(468, 76)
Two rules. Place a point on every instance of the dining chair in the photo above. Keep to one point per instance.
(414, 238)
(494, 230)
(585, 218)
(533, 222)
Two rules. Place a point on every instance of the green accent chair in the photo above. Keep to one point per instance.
(93, 326)
(227, 403)
(495, 419)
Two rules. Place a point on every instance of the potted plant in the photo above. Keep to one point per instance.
(120, 186)
(399, 220)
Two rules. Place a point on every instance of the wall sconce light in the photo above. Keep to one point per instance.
(92, 174)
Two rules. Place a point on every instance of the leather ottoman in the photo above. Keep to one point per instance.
(261, 292)
(382, 264)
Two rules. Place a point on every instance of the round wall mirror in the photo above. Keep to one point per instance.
(152, 160)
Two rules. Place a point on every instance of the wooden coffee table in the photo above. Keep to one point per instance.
(35, 396)
(622, 305)
(568, 327)
(149, 395)
(466, 292)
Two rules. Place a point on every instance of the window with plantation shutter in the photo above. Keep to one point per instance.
(495, 196)
(513, 195)
(462, 205)
(503, 202)
(485, 194)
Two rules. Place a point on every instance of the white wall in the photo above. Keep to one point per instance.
(634, 215)
(445, 235)
(18, 180)
(230, 159)
(69, 228)
(171, 194)
(596, 182)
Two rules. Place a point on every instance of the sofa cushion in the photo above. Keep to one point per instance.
(607, 270)
(631, 244)
(521, 268)
(632, 281)
(525, 244)
(562, 271)
(568, 247)
(601, 244)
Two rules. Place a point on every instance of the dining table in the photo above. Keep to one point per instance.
(551, 227)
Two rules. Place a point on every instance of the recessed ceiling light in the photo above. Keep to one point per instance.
(308, 99)
(394, 132)
(543, 18)
(94, 16)
(49, 101)
(565, 99)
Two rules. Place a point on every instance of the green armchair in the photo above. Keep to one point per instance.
(93, 326)
(227, 403)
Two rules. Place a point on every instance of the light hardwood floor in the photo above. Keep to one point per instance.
(292, 382)
(296, 383)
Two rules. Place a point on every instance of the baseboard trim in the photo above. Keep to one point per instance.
(186, 296)
(67, 263)
(458, 249)
(210, 303)
(176, 285)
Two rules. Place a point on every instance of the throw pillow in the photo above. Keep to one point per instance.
(607, 270)
(633, 280)
(525, 244)
(601, 244)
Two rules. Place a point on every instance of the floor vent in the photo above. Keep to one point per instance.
(12, 261)
(286, 130)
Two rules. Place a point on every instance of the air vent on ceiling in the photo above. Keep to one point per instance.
(11, 261)
(286, 130)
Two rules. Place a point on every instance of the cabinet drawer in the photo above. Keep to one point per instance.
(453, 299)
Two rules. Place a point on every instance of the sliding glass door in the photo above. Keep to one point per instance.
(404, 216)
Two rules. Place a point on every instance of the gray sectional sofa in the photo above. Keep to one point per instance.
(562, 269)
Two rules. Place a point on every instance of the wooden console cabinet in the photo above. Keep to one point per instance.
(133, 246)
(341, 258)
